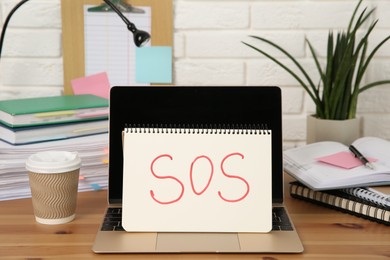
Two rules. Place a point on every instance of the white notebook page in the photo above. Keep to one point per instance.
(194, 182)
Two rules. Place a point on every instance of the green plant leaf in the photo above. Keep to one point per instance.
(336, 95)
(369, 58)
(310, 89)
(374, 84)
(311, 84)
(353, 15)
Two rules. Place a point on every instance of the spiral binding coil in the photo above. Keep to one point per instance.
(229, 129)
(368, 195)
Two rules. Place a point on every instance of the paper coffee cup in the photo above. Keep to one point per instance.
(54, 177)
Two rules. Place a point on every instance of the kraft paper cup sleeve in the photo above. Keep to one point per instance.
(53, 177)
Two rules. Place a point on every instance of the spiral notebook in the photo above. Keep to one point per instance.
(198, 111)
(356, 201)
(197, 179)
(378, 195)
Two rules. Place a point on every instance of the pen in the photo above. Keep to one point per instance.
(360, 157)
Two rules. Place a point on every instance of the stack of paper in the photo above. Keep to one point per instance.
(93, 151)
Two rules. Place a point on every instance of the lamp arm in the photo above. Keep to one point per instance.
(7, 21)
(129, 24)
(140, 37)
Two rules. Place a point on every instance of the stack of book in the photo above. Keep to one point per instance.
(330, 175)
(31, 120)
(70, 123)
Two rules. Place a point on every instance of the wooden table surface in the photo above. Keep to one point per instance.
(326, 234)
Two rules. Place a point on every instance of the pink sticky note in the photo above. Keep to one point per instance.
(97, 84)
(345, 160)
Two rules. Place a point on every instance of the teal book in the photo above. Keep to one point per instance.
(52, 110)
(51, 132)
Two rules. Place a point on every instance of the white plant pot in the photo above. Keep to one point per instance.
(343, 131)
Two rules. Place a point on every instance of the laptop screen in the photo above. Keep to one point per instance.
(194, 107)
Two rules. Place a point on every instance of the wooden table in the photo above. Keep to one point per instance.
(326, 234)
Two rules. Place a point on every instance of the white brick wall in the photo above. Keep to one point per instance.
(31, 63)
(208, 51)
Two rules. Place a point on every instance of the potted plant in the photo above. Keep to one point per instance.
(341, 77)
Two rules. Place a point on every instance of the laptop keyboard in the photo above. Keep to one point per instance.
(280, 219)
(113, 220)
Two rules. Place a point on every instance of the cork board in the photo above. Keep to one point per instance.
(73, 32)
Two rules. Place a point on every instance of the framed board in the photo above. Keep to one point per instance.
(73, 32)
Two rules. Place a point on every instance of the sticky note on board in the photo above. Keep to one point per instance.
(154, 64)
(96, 84)
(346, 160)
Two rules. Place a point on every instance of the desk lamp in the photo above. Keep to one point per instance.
(141, 38)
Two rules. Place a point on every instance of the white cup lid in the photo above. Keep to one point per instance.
(53, 162)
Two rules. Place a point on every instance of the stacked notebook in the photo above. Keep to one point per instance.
(369, 204)
(331, 175)
(31, 120)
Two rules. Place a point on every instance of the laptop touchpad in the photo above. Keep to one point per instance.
(197, 242)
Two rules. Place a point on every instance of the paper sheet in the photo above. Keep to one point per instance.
(109, 46)
(96, 84)
(343, 159)
(197, 182)
(154, 64)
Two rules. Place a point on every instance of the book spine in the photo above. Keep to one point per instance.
(346, 205)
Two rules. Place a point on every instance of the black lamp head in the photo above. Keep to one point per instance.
(141, 38)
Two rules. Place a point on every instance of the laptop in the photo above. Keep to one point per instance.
(181, 107)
